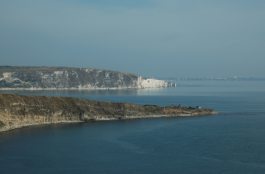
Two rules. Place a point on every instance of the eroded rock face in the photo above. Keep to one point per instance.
(18, 111)
(71, 78)
(1, 124)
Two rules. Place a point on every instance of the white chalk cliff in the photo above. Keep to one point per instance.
(72, 78)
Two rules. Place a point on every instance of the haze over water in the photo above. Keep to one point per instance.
(231, 142)
(161, 38)
(150, 38)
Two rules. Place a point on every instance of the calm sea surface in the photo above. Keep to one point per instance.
(232, 142)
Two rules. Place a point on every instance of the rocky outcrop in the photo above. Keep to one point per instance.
(19, 111)
(71, 78)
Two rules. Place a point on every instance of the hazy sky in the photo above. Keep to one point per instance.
(174, 38)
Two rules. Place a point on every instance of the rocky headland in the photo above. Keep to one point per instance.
(19, 111)
(50, 78)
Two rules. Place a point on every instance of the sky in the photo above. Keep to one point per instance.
(157, 38)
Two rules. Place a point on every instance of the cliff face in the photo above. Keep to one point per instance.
(71, 78)
(18, 111)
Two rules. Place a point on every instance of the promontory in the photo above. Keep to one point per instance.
(19, 111)
(50, 78)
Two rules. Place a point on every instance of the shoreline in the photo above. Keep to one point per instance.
(80, 89)
(21, 111)
(11, 128)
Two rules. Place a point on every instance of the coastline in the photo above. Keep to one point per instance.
(68, 78)
(10, 128)
(14, 127)
(78, 89)
(18, 111)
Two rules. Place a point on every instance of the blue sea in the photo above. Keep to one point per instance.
(232, 142)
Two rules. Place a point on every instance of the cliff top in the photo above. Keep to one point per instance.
(52, 68)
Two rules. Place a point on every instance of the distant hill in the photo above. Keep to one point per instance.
(17, 77)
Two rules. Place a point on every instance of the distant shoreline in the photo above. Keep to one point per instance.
(51, 78)
(73, 89)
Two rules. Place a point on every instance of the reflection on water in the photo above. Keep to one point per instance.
(184, 88)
